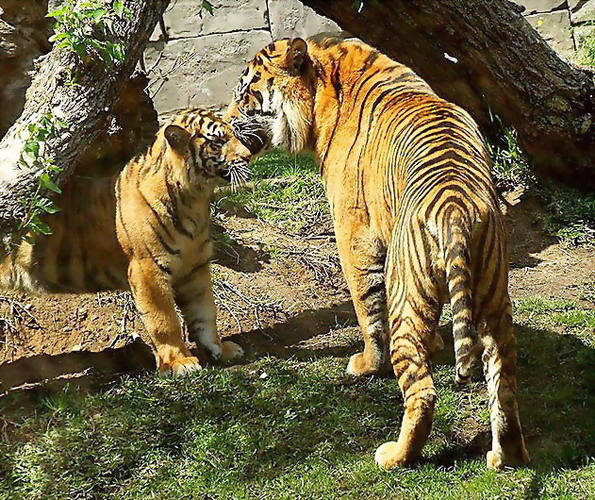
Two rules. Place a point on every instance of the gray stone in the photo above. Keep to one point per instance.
(291, 18)
(555, 29)
(211, 68)
(583, 12)
(533, 6)
(185, 18)
(576, 4)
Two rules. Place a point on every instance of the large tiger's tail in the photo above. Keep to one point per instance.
(458, 234)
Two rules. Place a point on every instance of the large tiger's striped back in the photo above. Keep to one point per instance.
(416, 218)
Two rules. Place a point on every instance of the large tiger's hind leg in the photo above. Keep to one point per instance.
(194, 296)
(497, 336)
(154, 300)
(414, 311)
(362, 261)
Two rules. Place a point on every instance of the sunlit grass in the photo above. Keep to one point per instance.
(303, 428)
(287, 191)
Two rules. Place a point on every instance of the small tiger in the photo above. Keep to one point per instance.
(146, 229)
(416, 217)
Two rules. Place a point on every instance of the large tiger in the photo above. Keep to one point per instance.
(416, 217)
(147, 228)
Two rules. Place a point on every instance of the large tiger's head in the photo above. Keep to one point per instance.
(273, 102)
(208, 146)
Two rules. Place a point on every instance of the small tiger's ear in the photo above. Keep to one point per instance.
(177, 137)
(297, 59)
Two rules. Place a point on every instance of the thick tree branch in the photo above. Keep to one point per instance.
(483, 55)
(84, 107)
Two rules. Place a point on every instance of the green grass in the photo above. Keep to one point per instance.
(570, 214)
(298, 203)
(566, 315)
(586, 51)
(302, 428)
(292, 205)
(510, 168)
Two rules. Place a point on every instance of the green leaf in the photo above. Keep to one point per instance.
(118, 7)
(47, 183)
(58, 36)
(96, 14)
(41, 134)
(119, 52)
(40, 227)
(107, 55)
(61, 123)
(32, 147)
(80, 49)
(208, 6)
(65, 43)
(59, 12)
(47, 205)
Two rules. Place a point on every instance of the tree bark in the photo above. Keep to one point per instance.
(24, 32)
(484, 56)
(84, 107)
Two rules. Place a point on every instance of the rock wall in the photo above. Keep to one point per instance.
(199, 57)
(564, 24)
(196, 58)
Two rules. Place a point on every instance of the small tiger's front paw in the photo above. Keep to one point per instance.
(180, 367)
(230, 350)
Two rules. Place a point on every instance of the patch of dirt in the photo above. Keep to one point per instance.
(276, 293)
(539, 264)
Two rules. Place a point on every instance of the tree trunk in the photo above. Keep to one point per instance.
(24, 32)
(129, 128)
(484, 56)
(84, 107)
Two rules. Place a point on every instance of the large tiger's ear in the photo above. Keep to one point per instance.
(177, 137)
(296, 58)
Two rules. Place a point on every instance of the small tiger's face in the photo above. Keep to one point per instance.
(273, 101)
(209, 146)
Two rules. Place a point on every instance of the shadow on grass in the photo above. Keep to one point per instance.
(556, 375)
(263, 419)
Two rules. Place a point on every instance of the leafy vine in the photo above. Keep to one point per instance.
(85, 28)
(34, 156)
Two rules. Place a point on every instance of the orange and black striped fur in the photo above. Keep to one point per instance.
(148, 228)
(416, 217)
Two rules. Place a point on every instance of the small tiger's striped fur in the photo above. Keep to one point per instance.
(416, 218)
(146, 229)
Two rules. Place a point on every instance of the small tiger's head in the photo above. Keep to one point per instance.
(208, 146)
(273, 102)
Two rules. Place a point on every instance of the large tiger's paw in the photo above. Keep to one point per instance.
(495, 460)
(230, 350)
(360, 366)
(180, 367)
(390, 455)
(498, 459)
